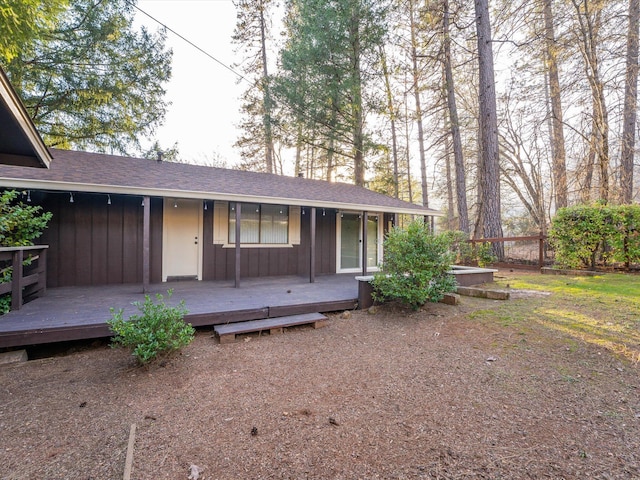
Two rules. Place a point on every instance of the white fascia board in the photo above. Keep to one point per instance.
(16, 107)
(27, 184)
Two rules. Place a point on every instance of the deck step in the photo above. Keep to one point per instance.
(227, 332)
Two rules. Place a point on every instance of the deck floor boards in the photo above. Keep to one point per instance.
(70, 313)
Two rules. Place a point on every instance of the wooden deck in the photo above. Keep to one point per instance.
(75, 313)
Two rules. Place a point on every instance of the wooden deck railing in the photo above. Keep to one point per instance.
(27, 281)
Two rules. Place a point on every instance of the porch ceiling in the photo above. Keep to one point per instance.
(20, 143)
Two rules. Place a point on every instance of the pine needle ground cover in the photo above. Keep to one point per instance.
(544, 385)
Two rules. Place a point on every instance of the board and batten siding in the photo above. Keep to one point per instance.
(293, 259)
(94, 243)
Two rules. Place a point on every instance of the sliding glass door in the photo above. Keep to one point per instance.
(350, 242)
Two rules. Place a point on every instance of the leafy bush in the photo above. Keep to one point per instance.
(20, 225)
(465, 253)
(459, 246)
(582, 234)
(5, 300)
(625, 243)
(159, 330)
(415, 266)
(484, 254)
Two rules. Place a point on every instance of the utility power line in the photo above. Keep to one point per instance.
(182, 37)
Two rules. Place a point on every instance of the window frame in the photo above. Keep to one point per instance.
(259, 221)
(221, 222)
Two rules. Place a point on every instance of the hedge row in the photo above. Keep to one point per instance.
(584, 235)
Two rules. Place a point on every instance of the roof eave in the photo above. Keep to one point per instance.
(19, 113)
(28, 184)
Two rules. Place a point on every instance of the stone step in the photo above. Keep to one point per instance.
(483, 293)
(13, 357)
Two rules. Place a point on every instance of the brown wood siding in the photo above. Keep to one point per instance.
(93, 243)
(65, 247)
(155, 242)
(388, 217)
(132, 242)
(99, 259)
(83, 238)
(52, 232)
(325, 241)
(114, 241)
(219, 263)
(208, 254)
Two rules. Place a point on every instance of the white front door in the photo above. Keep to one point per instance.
(350, 242)
(181, 239)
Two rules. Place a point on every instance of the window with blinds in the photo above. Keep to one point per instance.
(260, 223)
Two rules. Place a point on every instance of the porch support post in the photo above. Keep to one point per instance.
(237, 264)
(395, 219)
(365, 218)
(312, 256)
(146, 242)
(16, 279)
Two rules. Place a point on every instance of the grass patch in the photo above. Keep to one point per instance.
(603, 310)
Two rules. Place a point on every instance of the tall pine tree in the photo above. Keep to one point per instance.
(89, 79)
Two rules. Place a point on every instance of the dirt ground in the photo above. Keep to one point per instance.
(437, 393)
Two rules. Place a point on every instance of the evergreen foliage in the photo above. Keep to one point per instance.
(329, 59)
(88, 79)
(416, 266)
(20, 225)
(21, 22)
(582, 235)
(158, 330)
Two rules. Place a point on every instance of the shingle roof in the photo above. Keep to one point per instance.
(94, 172)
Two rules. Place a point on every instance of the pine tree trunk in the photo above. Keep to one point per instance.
(416, 93)
(268, 104)
(392, 117)
(298, 165)
(407, 146)
(630, 106)
(557, 133)
(589, 23)
(356, 90)
(492, 226)
(585, 191)
(447, 163)
(461, 181)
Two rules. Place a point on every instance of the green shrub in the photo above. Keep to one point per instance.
(20, 225)
(583, 234)
(415, 266)
(484, 254)
(5, 304)
(159, 330)
(5, 300)
(465, 253)
(625, 243)
(459, 246)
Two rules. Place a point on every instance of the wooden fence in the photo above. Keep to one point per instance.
(540, 239)
(29, 279)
